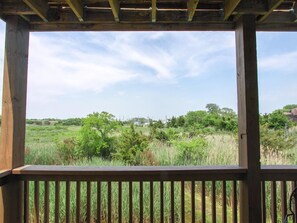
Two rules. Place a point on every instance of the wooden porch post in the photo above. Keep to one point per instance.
(248, 119)
(13, 115)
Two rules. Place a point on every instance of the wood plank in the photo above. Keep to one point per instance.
(36, 202)
(248, 118)
(154, 173)
(40, 7)
(284, 198)
(234, 201)
(120, 201)
(182, 200)
(152, 201)
(78, 199)
(77, 7)
(229, 7)
(67, 212)
(224, 202)
(273, 203)
(161, 201)
(191, 5)
(26, 201)
(46, 202)
(57, 201)
(263, 201)
(173, 26)
(213, 202)
(193, 198)
(115, 7)
(154, 10)
(271, 5)
(172, 215)
(13, 115)
(89, 197)
(203, 205)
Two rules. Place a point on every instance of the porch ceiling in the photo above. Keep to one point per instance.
(140, 15)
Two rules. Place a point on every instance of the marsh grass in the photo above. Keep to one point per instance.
(222, 149)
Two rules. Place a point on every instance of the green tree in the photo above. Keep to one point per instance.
(130, 146)
(213, 108)
(96, 137)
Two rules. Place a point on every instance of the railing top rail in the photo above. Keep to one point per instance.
(131, 172)
(279, 172)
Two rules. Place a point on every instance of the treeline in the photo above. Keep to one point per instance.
(53, 121)
(102, 135)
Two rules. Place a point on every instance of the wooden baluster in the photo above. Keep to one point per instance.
(57, 201)
(46, 202)
(263, 200)
(78, 201)
(224, 203)
(273, 202)
(162, 201)
(234, 202)
(98, 201)
(182, 200)
(141, 201)
(109, 201)
(203, 207)
(152, 201)
(284, 198)
(213, 202)
(89, 195)
(120, 202)
(27, 201)
(172, 202)
(193, 200)
(36, 202)
(67, 202)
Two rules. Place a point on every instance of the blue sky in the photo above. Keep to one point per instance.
(149, 74)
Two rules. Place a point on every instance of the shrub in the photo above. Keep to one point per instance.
(191, 151)
(130, 146)
(67, 150)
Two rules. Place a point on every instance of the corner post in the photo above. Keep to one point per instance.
(13, 115)
(248, 118)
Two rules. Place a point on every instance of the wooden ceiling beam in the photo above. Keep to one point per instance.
(77, 7)
(16, 9)
(229, 7)
(154, 10)
(115, 7)
(191, 5)
(271, 5)
(40, 7)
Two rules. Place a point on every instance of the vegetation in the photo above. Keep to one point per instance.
(207, 137)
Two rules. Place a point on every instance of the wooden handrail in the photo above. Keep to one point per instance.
(155, 173)
(279, 173)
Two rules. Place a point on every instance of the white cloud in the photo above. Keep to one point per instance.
(285, 62)
(62, 63)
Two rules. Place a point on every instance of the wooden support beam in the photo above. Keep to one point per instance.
(77, 8)
(191, 5)
(154, 10)
(40, 7)
(230, 6)
(295, 11)
(13, 115)
(115, 7)
(271, 5)
(248, 118)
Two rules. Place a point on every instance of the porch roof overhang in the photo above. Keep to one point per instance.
(150, 15)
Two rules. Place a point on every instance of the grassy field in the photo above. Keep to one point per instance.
(222, 149)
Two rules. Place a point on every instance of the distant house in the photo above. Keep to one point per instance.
(292, 114)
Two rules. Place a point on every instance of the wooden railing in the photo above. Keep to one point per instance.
(147, 194)
(277, 184)
(130, 194)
